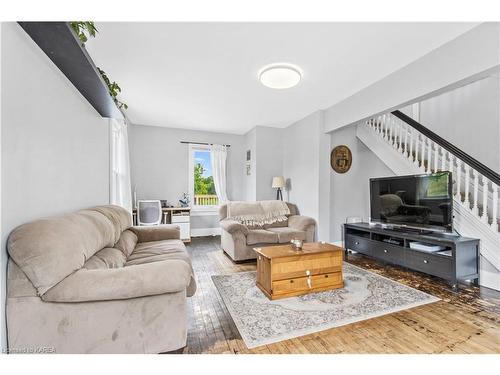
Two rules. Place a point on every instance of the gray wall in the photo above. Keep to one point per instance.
(306, 168)
(468, 117)
(251, 179)
(300, 164)
(350, 191)
(269, 160)
(159, 163)
(473, 54)
(55, 146)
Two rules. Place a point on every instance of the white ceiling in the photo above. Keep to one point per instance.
(204, 75)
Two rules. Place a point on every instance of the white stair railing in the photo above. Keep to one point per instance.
(430, 157)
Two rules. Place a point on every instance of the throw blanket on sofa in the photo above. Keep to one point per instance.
(257, 213)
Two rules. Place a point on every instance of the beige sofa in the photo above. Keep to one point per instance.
(238, 240)
(89, 282)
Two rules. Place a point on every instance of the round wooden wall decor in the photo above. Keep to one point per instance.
(341, 159)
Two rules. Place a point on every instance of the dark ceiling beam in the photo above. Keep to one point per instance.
(65, 50)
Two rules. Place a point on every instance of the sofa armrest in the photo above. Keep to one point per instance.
(232, 226)
(300, 222)
(157, 232)
(169, 276)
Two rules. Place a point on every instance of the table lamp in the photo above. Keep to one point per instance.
(278, 183)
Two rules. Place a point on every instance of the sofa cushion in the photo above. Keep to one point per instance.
(106, 258)
(168, 276)
(126, 243)
(256, 236)
(147, 252)
(120, 217)
(48, 250)
(278, 224)
(157, 232)
(287, 234)
(158, 251)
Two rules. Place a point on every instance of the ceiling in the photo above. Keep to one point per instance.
(204, 75)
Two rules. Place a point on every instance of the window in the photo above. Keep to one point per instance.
(120, 190)
(201, 182)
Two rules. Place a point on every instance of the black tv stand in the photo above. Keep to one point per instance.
(459, 260)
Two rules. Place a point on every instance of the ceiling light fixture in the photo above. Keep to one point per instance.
(280, 76)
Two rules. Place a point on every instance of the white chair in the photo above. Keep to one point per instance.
(149, 212)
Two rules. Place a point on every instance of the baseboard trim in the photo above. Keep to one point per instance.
(202, 232)
(489, 279)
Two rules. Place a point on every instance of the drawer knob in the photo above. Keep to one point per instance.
(426, 261)
(291, 281)
(356, 243)
(385, 251)
(326, 276)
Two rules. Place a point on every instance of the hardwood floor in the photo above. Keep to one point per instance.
(464, 322)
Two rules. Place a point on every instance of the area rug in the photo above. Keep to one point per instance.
(261, 321)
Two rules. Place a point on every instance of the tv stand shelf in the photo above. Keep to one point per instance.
(459, 260)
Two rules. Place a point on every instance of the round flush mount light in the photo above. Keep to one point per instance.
(280, 76)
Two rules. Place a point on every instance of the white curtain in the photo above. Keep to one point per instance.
(120, 192)
(218, 156)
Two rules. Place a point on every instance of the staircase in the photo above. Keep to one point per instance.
(408, 147)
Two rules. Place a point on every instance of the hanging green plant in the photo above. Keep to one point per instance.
(113, 89)
(84, 29)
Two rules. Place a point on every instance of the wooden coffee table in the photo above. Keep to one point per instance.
(284, 272)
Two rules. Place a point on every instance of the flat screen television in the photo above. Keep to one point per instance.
(417, 201)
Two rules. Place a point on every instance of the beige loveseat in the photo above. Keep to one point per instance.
(89, 282)
(238, 240)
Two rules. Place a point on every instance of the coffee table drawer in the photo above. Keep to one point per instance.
(359, 244)
(301, 284)
(300, 267)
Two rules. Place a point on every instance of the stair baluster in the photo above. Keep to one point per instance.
(385, 128)
(494, 223)
(388, 125)
(475, 208)
(450, 168)
(458, 194)
(436, 156)
(400, 147)
(429, 156)
(467, 183)
(417, 135)
(422, 155)
(393, 133)
(443, 158)
(406, 141)
(484, 216)
(410, 154)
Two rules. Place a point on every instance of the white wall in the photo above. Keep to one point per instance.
(474, 54)
(350, 192)
(55, 146)
(159, 164)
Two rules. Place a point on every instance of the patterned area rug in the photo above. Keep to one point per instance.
(261, 321)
